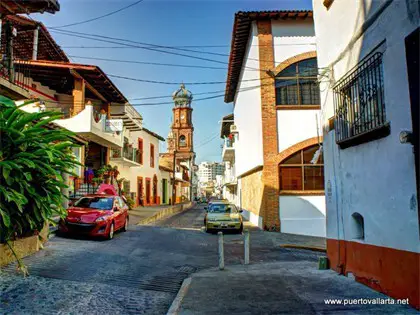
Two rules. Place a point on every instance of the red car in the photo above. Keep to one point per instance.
(96, 215)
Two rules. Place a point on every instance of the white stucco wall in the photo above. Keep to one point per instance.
(247, 110)
(291, 37)
(304, 215)
(375, 179)
(132, 172)
(294, 126)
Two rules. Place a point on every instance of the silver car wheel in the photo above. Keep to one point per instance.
(111, 232)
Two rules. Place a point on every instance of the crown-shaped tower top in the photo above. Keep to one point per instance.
(182, 97)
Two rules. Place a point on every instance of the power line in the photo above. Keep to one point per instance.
(98, 17)
(71, 33)
(176, 83)
(195, 46)
(150, 63)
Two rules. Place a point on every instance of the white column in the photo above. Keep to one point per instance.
(35, 45)
(221, 252)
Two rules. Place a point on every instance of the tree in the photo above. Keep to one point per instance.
(32, 161)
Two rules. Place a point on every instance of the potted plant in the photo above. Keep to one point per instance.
(114, 171)
(120, 182)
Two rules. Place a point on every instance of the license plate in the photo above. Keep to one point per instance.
(223, 225)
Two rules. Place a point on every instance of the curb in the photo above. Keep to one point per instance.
(176, 304)
(313, 248)
(166, 213)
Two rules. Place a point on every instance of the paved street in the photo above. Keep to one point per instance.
(138, 272)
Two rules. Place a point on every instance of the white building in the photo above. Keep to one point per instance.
(275, 118)
(230, 183)
(207, 171)
(138, 164)
(368, 55)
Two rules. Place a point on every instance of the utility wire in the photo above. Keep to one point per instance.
(149, 63)
(195, 46)
(177, 83)
(165, 103)
(98, 17)
(122, 42)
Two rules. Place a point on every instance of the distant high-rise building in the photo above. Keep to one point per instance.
(207, 171)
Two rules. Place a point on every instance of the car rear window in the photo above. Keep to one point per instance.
(100, 203)
(222, 208)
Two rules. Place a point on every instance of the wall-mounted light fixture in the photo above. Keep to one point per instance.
(406, 136)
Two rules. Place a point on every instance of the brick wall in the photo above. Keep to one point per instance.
(270, 199)
(252, 190)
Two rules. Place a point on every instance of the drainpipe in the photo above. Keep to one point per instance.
(35, 45)
(191, 176)
(173, 183)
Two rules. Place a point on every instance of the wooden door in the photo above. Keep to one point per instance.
(140, 191)
(164, 191)
(148, 191)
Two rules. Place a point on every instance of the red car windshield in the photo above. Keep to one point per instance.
(100, 203)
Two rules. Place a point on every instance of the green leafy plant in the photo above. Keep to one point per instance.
(130, 202)
(97, 180)
(120, 181)
(32, 161)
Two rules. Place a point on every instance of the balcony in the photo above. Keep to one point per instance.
(126, 156)
(95, 127)
(131, 118)
(14, 79)
(228, 153)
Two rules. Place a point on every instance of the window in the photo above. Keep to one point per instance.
(152, 155)
(140, 142)
(298, 84)
(126, 187)
(100, 203)
(359, 103)
(297, 173)
(182, 141)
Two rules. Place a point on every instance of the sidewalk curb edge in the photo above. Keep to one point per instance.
(163, 214)
(313, 248)
(176, 304)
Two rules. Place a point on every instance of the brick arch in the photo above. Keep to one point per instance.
(295, 148)
(283, 65)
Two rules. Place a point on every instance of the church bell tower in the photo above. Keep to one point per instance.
(180, 138)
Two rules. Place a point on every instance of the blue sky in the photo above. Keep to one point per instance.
(171, 23)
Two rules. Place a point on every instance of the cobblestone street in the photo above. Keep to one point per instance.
(138, 272)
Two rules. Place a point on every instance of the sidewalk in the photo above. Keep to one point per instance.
(144, 214)
(277, 288)
(277, 239)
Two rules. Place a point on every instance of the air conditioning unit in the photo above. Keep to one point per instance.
(233, 129)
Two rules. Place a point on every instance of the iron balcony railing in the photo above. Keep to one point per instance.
(359, 100)
(16, 73)
(126, 152)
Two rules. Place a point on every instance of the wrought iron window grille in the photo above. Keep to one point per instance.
(359, 102)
